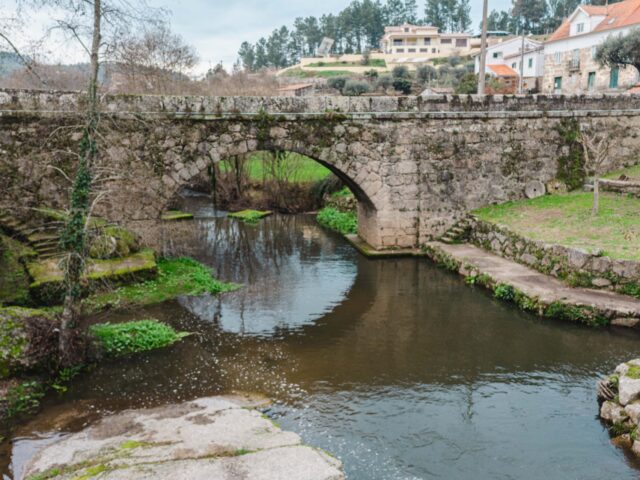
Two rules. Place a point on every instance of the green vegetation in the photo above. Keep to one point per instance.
(571, 165)
(504, 292)
(343, 222)
(299, 73)
(14, 281)
(300, 169)
(24, 397)
(134, 337)
(48, 276)
(631, 172)
(249, 216)
(177, 276)
(373, 62)
(175, 215)
(568, 220)
(633, 372)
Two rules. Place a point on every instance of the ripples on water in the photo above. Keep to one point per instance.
(394, 366)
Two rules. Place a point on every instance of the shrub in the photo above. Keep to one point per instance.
(468, 84)
(343, 222)
(402, 85)
(426, 73)
(454, 60)
(400, 72)
(366, 58)
(337, 82)
(133, 337)
(355, 88)
(385, 82)
(504, 292)
(371, 74)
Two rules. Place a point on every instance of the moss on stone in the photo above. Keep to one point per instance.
(47, 285)
(176, 215)
(250, 216)
(633, 372)
(14, 280)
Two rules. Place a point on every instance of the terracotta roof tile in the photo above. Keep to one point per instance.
(617, 15)
(503, 70)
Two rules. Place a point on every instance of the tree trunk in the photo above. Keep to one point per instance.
(74, 237)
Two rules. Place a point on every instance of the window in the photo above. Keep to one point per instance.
(558, 58)
(461, 42)
(530, 64)
(424, 50)
(594, 50)
(433, 50)
(580, 28)
(445, 41)
(397, 41)
(557, 84)
(591, 81)
(399, 50)
(513, 65)
(406, 30)
(497, 55)
(613, 77)
(427, 41)
(412, 50)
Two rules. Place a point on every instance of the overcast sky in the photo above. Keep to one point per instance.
(216, 28)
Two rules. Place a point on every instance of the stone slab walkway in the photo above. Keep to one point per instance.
(624, 310)
(211, 438)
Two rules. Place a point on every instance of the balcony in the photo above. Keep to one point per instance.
(573, 65)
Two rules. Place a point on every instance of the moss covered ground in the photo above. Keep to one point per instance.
(176, 215)
(14, 280)
(249, 216)
(176, 277)
(568, 220)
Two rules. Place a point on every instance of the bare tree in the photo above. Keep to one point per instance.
(94, 24)
(596, 151)
(154, 61)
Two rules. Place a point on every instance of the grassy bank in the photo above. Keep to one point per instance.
(567, 220)
(297, 168)
(342, 222)
(176, 277)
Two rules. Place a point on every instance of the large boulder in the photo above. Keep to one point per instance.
(217, 437)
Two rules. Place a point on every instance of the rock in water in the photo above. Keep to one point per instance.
(209, 438)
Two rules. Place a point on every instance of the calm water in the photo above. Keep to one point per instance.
(396, 367)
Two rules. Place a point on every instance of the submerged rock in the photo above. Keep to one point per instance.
(216, 437)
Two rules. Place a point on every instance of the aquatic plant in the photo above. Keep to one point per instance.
(343, 222)
(118, 339)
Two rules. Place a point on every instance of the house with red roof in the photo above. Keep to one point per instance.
(569, 53)
(506, 59)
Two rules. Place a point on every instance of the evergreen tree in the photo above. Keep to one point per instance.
(247, 56)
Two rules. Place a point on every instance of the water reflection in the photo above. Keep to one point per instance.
(395, 366)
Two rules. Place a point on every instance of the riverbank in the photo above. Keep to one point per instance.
(215, 437)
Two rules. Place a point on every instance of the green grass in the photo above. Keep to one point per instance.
(343, 222)
(14, 281)
(297, 168)
(176, 276)
(374, 62)
(299, 73)
(631, 172)
(249, 216)
(119, 339)
(567, 220)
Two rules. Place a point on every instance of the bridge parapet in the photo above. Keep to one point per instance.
(44, 102)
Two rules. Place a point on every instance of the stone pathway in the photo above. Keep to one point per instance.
(624, 310)
(211, 438)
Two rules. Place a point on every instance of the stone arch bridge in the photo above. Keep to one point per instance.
(415, 164)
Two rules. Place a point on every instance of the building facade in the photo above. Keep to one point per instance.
(423, 41)
(569, 54)
(509, 53)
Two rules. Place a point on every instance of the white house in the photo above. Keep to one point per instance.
(569, 53)
(510, 53)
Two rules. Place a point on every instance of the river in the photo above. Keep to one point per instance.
(394, 366)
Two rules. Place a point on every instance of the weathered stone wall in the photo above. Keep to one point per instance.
(576, 266)
(415, 164)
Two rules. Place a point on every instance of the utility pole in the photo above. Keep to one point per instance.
(483, 49)
(521, 81)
